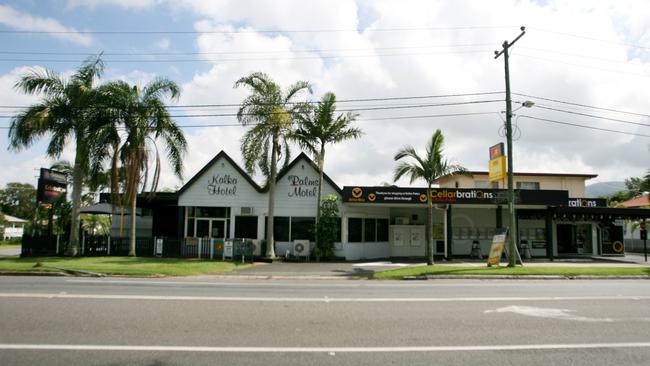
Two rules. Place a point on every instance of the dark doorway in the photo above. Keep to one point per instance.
(566, 239)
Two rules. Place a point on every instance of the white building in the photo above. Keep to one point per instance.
(554, 218)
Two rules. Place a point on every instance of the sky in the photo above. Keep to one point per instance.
(406, 68)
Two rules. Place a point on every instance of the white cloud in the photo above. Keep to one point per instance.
(126, 4)
(25, 22)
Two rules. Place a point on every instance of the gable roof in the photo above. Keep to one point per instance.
(295, 161)
(221, 154)
(640, 201)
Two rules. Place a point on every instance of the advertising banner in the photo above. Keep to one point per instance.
(399, 195)
(497, 169)
(496, 250)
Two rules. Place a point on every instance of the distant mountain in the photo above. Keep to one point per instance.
(604, 188)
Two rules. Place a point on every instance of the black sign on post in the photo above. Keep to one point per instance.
(51, 185)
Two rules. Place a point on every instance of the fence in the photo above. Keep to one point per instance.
(208, 248)
(90, 246)
(634, 245)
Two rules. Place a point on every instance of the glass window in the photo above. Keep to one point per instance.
(369, 230)
(302, 228)
(382, 230)
(190, 227)
(481, 184)
(355, 230)
(280, 228)
(528, 185)
(223, 212)
(246, 227)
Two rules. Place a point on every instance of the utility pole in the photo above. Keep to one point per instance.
(511, 245)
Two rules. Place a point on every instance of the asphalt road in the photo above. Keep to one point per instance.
(79, 321)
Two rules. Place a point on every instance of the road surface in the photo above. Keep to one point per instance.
(189, 321)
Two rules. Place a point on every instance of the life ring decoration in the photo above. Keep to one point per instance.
(618, 246)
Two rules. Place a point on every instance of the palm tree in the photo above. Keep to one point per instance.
(317, 128)
(429, 168)
(271, 112)
(143, 116)
(65, 111)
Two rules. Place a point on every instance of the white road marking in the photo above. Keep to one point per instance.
(329, 350)
(317, 299)
(562, 314)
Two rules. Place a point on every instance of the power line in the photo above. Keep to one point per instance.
(246, 59)
(338, 110)
(342, 30)
(594, 116)
(378, 99)
(582, 105)
(591, 38)
(87, 54)
(584, 126)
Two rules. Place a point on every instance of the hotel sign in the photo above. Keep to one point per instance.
(51, 185)
(399, 195)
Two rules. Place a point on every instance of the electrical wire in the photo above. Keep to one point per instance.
(585, 126)
(581, 105)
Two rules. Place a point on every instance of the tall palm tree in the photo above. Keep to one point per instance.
(318, 127)
(66, 111)
(145, 120)
(271, 112)
(429, 168)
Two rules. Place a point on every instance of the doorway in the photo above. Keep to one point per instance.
(211, 228)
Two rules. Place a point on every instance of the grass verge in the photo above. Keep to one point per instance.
(438, 270)
(129, 266)
(10, 246)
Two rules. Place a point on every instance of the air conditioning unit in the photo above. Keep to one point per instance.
(247, 210)
(402, 220)
(301, 248)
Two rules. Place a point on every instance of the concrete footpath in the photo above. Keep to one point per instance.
(360, 270)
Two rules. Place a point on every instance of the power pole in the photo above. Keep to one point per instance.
(511, 245)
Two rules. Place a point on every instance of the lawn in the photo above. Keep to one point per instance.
(438, 270)
(9, 246)
(130, 266)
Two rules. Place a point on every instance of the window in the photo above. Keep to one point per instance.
(280, 228)
(303, 228)
(369, 230)
(528, 185)
(382, 229)
(355, 230)
(481, 184)
(246, 227)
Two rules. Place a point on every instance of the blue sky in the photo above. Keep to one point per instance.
(591, 53)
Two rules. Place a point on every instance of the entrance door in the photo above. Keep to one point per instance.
(417, 241)
(566, 239)
(218, 229)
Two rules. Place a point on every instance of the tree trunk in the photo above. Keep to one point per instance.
(429, 228)
(321, 163)
(134, 201)
(77, 183)
(270, 245)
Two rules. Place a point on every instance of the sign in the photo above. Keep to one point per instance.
(222, 185)
(302, 186)
(497, 169)
(418, 196)
(587, 202)
(51, 185)
(496, 250)
(497, 151)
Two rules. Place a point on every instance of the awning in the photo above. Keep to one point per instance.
(102, 209)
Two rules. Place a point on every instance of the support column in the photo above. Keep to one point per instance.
(450, 236)
(549, 233)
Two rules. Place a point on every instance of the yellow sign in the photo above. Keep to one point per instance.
(497, 168)
(496, 250)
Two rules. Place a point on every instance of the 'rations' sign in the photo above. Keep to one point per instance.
(222, 185)
(302, 186)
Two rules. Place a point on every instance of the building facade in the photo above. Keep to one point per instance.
(553, 216)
